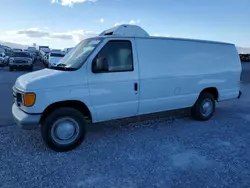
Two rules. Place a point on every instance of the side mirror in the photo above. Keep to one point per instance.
(100, 65)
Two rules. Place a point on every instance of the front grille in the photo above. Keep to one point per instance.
(19, 97)
(20, 61)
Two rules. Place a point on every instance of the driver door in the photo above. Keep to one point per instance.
(114, 92)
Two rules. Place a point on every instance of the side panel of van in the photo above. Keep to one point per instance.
(174, 72)
(114, 93)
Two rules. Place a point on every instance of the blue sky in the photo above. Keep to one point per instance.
(63, 23)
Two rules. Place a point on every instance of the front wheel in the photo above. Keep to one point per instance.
(63, 129)
(204, 107)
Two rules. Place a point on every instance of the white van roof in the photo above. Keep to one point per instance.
(127, 30)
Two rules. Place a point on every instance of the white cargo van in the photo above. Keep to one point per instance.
(124, 72)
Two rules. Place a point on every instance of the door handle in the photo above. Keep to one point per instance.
(136, 86)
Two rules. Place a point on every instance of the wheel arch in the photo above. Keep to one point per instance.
(78, 105)
(213, 91)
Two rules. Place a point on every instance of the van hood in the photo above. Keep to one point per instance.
(47, 79)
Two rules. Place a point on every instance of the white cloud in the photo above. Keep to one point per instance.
(32, 32)
(44, 34)
(101, 20)
(71, 2)
(63, 36)
(79, 35)
(118, 23)
(132, 22)
(135, 22)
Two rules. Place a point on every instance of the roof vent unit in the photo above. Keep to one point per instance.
(126, 31)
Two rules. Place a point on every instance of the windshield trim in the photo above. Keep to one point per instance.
(98, 38)
(87, 57)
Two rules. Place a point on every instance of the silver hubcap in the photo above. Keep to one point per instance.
(65, 130)
(206, 107)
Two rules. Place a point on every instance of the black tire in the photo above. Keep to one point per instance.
(10, 68)
(48, 134)
(197, 109)
(31, 68)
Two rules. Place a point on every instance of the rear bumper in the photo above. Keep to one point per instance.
(24, 120)
(239, 96)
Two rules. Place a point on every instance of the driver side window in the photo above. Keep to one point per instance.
(115, 56)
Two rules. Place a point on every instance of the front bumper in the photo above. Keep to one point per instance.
(24, 120)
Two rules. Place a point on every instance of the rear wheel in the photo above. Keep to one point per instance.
(204, 107)
(63, 129)
(10, 68)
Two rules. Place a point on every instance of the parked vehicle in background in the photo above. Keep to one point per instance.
(6, 59)
(32, 57)
(32, 51)
(38, 55)
(44, 51)
(20, 60)
(54, 58)
(2, 62)
(17, 50)
(67, 50)
(42, 54)
(56, 51)
(245, 57)
(7, 51)
(2, 50)
(42, 47)
(44, 58)
(124, 72)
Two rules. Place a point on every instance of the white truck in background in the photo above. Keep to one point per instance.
(124, 72)
(54, 57)
(44, 53)
(32, 51)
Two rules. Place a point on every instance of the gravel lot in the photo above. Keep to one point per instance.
(161, 150)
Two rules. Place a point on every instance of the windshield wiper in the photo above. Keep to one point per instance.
(62, 68)
(61, 65)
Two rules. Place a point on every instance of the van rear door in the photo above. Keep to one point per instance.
(114, 91)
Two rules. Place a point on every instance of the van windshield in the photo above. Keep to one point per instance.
(79, 54)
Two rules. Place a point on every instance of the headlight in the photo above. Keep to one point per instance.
(12, 60)
(29, 60)
(29, 99)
